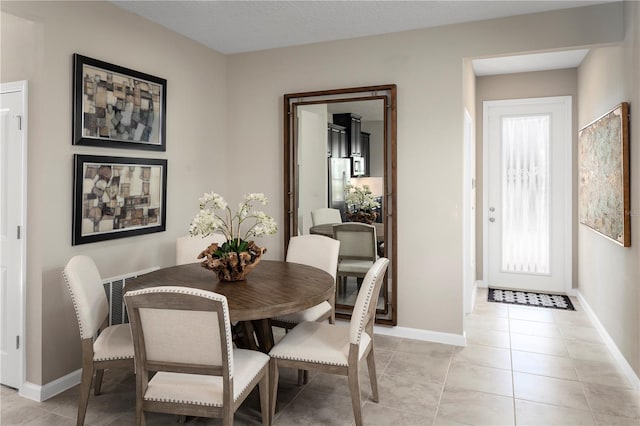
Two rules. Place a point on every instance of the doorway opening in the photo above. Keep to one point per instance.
(527, 172)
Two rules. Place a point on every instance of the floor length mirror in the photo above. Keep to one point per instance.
(340, 168)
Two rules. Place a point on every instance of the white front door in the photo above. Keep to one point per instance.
(12, 152)
(527, 169)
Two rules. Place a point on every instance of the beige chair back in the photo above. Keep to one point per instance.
(364, 309)
(188, 248)
(325, 215)
(174, 327)
(87, 294)
(315, 250)
(357, 241)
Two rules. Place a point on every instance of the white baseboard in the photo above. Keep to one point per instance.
(611, 345)
(425, 335)
(43, 392)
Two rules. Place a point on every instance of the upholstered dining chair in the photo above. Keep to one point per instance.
(320, 252)
(188, 248)
(113, 347)
(358, 249)
(334, 349)
(325, 215)
(184, 335)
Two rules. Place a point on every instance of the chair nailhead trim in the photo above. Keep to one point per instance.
(315, 361)
(180, 401)
(111, 358)
(73, 300)
(365, 311)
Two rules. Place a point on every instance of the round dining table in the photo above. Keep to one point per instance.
(273, 288)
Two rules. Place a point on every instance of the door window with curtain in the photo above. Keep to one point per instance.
(525, 194)
(527, 181)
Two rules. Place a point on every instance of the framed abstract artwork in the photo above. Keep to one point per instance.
(117, 107)
(603, 167)
(117, 197)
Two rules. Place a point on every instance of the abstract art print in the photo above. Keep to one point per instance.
(603, 167)
(117, 107)
(116, 197)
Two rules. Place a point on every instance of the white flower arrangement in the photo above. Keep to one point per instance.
(359, 199)
(209, 221)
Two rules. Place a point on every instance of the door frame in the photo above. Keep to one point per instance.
(468, 218)
(567, 103)
(22, 87)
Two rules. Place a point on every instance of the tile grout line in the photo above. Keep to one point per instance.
(444, 384)
(513, 380)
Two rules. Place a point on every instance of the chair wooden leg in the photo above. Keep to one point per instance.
(97, 383)
(140, 418)
(273, 382)
(371, 365)
(354, 389)
(142, 378)
(303, 377)
(227, 420)
(265, 406)
(85, 390)
(85, 380)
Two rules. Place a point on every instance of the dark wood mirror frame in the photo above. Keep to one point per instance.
(387, 93)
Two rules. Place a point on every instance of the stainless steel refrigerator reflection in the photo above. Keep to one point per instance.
(339, 177)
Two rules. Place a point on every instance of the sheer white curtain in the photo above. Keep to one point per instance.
(525, 194)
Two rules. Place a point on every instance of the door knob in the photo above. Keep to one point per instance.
(492, 209)
(492, 219)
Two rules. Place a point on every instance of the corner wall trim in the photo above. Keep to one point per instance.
(611, 345)
(424, 335)
(43, 392)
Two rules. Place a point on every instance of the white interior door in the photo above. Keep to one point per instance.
(12, 152)
(527, 214)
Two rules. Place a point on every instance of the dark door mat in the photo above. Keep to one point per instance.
(526, 298)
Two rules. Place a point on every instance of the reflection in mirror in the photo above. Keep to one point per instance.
(335, 141)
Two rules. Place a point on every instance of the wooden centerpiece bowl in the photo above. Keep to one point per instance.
(232, 266)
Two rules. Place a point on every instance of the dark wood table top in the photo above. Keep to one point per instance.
(273, 288)
(326, 229)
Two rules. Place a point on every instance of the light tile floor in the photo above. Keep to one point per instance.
(524, 366)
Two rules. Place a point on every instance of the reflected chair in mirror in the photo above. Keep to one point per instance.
(358, 251)
(184, 336)
(188, 248)
(113, 347)
(334, 349)
(325, 215)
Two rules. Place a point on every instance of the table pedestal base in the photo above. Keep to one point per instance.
(255, 335)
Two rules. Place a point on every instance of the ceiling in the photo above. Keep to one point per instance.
(232, 27)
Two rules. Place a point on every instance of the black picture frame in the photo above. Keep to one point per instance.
(117, 197)
(117, 107)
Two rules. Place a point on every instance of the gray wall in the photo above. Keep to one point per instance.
(608, 274)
